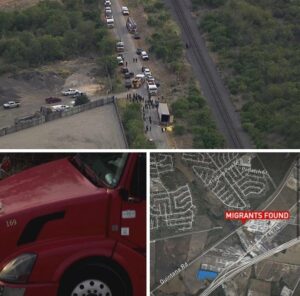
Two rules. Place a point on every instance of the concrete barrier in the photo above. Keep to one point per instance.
(56, 115)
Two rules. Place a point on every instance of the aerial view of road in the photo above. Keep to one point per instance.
(154, 132)
(56, 87)
(186, 74)
(196, 250)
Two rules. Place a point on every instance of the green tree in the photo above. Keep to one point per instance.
(58, 24)
(51, 48)
(82, 99)
(14, 51)
(108, 64)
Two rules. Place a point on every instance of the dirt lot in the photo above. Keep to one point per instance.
(31, 87)
(98, 128)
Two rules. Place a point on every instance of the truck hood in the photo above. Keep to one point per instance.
(40, 185)
(55, 187)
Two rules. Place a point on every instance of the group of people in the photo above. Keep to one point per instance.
(147, 105)
(135, 97)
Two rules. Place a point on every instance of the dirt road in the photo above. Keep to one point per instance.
(154, 132)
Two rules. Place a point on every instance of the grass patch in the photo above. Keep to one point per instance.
(133, 125)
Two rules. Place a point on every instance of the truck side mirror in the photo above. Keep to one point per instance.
(124, 194)
(126, 197)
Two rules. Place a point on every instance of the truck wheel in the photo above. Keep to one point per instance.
(94, 279)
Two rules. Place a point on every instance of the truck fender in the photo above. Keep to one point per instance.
(53, 260)
(134, 262)
(100, 249)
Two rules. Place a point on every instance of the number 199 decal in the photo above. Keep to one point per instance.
(11, 223)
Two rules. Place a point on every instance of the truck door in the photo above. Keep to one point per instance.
(133, 214)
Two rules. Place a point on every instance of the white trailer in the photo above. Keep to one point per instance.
(163, 113)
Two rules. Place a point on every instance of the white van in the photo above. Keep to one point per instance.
(144, 56)
(107, 3)
(110, 23)
(125, 10)
(152, 89)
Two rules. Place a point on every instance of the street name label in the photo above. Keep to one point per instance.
(244, 216)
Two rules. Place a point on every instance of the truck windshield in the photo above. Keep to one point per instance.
(103, 169)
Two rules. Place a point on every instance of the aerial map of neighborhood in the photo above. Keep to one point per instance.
(197, 250)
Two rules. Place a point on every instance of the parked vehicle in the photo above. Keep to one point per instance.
(108, 15)
(70, 92)
(136, 35)
(137, 82)
(131, 25)
(110, 22)
(59, 108)
(75, 226)
(125, 10)
(78, 94)
(108, 10)
(150, 78)
(120, 61)
(52, 100)
(152, 88)
(11, 105)
(147, 72)
(140, 76)
(120, 46)
(107, 3)
(164, 113)
(144, 56)
(128, 83)
(139, 51)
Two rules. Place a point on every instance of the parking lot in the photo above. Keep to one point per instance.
(98, 128)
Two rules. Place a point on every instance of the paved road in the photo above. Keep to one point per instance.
(194, 38)
(155, 134)
(185, 234)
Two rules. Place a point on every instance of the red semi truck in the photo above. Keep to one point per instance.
(75, 226)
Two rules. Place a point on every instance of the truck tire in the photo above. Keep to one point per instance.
(94, 279)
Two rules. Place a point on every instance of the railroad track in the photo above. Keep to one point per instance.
(232, 135)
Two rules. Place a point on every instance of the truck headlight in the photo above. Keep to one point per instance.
(18, 269)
